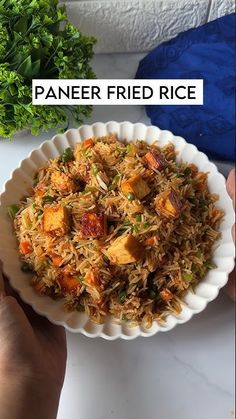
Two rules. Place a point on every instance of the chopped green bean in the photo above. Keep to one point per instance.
(115, 181)
(138, 217)
(94, 169)
(135, 228)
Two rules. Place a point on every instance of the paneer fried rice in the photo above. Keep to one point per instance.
(118, 228)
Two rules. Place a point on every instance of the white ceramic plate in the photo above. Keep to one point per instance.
(21, 180)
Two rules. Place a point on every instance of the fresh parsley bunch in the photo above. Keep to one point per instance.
(36, 41)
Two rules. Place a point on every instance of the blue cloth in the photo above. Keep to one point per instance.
(208, 53)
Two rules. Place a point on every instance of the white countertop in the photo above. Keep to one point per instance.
(187, 373)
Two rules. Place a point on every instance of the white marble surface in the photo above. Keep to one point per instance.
(187, 373)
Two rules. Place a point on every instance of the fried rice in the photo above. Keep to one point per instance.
(118, 228)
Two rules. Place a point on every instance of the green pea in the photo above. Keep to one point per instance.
(187, 277)
(25, 267)
(130, 196)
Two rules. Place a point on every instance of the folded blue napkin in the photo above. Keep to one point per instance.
(208, 53)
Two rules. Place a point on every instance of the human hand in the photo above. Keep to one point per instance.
(32, 360)
(230, 287)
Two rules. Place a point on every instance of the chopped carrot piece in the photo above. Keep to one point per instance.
(193, 168)
(151, 241)
(91, 279)
(25, 247)
(69, 284)
(40, 190)
(201, 181)
(57, 260)
(88, 143)
(166, 295)
(216, 213)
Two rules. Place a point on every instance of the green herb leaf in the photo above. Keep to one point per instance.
(48, 198)
(187, 171)
(25, 267)
(122, 296)
(210, 265)
(66, 156)
(80, 278)
(13, 210)
(80, 307)
(152, 294)
(37, 41)
(146, 225)
(35, 181)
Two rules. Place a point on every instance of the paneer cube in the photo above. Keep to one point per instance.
(155, 161)
(93, 225)
(69, 284)
(168, 204)
(125, 250)
(56, 220)
(135, 185)
(62, 183)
